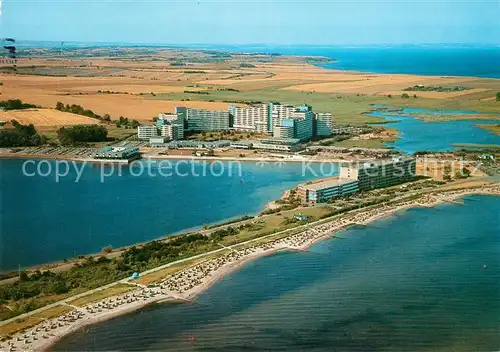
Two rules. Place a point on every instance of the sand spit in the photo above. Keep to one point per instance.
(185, 285)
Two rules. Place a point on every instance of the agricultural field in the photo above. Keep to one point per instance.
(45, 117)
(139, 83)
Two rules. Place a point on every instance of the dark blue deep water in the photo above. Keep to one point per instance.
(426, 279)
(43, 220)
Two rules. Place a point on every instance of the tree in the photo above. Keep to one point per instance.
(20, 136)
(498, 96)
(23, 276)
(81, 134)
(447, 173)
(59, 106)
(405, 95)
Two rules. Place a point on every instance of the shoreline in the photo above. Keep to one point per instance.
(285, 158)
(192, 281)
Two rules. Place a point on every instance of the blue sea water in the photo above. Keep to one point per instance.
(43, 220)
(425, 279)
(417, 135)
(433, 60)
(436, 59)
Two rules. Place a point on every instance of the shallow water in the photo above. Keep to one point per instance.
(417, 135)
(411, 282)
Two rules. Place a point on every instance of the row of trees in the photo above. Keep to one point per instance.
(78, 134)
(15, 104)
(80, 110)
(125, 122)
(20, 136)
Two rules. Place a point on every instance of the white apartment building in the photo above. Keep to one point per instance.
(283, 132)
(324, 124)
(167, 116)
(147, 132)
(173, 131)
(253, 118)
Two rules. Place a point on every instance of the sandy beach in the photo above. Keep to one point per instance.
(190, 282)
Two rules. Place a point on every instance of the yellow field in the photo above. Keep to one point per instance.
(136, 80)
(45, 117)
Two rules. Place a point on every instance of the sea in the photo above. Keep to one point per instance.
(426, 59)
(422, 280)
(475, 60)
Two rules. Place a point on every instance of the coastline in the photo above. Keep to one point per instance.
(175, 157)
(179, 286)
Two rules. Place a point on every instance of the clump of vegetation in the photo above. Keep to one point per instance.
(20, 136)
(197, 92)
(228, 90)
(77, 109)
(78, 134)
(246, 65)
(498, 96)
(422, 88)
(38, 289)
(125, 122)
(15, 104)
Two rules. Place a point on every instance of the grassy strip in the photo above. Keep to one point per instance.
(476, 146)
(492, 128)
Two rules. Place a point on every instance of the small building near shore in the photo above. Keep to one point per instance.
(117, 153)
(278, 144)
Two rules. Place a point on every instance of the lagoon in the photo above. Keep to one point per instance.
(45, 221)
(417, 135)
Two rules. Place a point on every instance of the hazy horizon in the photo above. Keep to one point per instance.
(335, 22)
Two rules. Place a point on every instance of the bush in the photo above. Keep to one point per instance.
(82, 134)
(20, 136)
(15, 104)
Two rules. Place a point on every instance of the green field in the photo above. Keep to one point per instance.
(347, 109)
(492, 128)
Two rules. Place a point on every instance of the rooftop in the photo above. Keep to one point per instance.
(376, 162)
(288, 141)
(326, 183)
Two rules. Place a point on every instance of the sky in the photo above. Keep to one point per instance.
(282, 22)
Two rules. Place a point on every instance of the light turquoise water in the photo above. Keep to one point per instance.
(406, 283)
(43, 220)
(417, 135)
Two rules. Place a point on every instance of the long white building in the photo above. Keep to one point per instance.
(201, 120)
